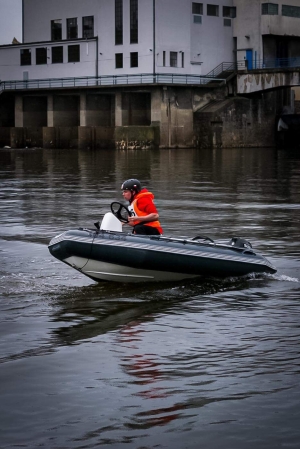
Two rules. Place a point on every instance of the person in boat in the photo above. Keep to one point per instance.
(144, 215)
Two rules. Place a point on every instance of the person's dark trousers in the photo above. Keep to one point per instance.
(146, 230)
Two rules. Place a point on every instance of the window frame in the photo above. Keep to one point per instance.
(209, 10)
(134, 22)
(286, 11)
(268, 10)
(134, 59)
(88, 30)
(71, 28)
(119, 61)
(195, 6)
(197, 19)
(60, 52)
(173, 59)
(41, 56)
(118, 22)
(74, 53)
(229, 12)
(25, 56)
(56, 30)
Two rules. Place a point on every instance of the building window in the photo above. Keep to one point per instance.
(270, 9)
(164, 59)
(229, 11)
(88, 26)
(134, 30)
(119, 60)
(291, 11)
(73, 53)
(56, 30)
(72, 29)
(118, 22)
(134, 59)
(197, 19)
(41, 56)
(25, 57)
(57, 55)
(197, 8)
(227, 22)
(173, 58)
(213, 10)
(182, 59)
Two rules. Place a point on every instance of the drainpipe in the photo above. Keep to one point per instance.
(97, 57)
(154, 49)
(23, 21)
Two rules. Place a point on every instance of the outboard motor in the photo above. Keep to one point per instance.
(240, 243)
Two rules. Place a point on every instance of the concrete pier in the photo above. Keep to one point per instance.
(151, 116)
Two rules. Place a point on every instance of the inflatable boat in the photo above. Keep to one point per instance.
(106, 253)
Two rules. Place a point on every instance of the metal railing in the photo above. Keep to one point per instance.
(269, 63)
(277, 63)
(107, 80)
(218, 74)
(223, 68)
(254, 64)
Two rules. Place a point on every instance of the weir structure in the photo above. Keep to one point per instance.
(140, 111)
(230, 107)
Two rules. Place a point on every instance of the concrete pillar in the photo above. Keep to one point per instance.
(50, 112)
(156, 106)
(82, 109)
(19, 115)
(118, 109)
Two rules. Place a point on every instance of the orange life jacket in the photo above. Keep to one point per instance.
(135, 211)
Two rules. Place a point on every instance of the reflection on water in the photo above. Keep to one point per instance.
(207, 363)
(221, 192)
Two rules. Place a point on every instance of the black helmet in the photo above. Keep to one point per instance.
(133, 185)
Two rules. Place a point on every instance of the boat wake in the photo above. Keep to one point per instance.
(282, 277)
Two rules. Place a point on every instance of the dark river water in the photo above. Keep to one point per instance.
(197, 364)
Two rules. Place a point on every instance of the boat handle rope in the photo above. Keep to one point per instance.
(203, 237)
(88, 258)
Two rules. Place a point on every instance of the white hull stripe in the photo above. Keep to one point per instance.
(91, 273)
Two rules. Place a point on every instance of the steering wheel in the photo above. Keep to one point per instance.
(120, 211)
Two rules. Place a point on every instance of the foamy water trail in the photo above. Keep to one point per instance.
(283, 277)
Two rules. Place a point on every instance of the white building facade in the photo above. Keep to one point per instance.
(267, 33)
(72, 38)
(88, 72)
(75, 38)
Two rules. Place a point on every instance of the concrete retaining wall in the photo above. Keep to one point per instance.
(239, 122)
(137, 137)
(87, 137)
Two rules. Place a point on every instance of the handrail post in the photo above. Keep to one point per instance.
(154, 47)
